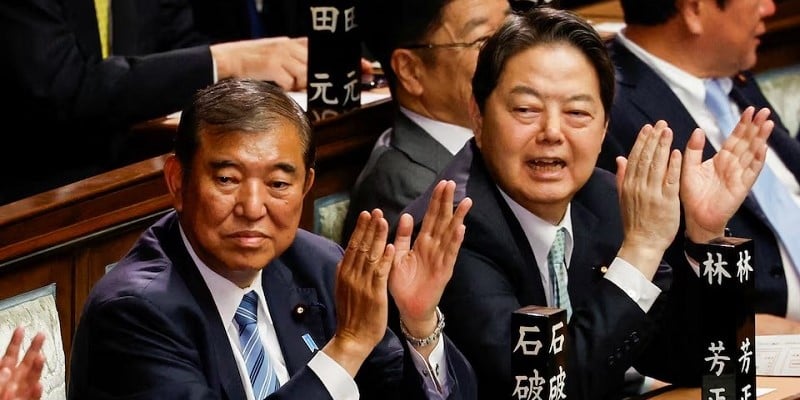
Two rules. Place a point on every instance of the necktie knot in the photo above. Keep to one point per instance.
(247, 313)
(719, 104)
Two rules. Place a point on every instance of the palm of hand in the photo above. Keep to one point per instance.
(417, 277)
(711, 191)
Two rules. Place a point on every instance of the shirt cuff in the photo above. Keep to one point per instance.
(433, 370)
(214, 73)
(337, 381)
(633, 283)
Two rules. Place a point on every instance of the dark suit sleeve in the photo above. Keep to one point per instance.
(606, 334)
(127, 348)
(59, 78)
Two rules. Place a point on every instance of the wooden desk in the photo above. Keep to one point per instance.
(69, 235)
(786, 389)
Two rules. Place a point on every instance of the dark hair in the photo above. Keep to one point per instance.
(389, 25)
(652, 12)
(541, 26)
(240, 105)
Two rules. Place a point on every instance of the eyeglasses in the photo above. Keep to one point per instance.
(455, 45)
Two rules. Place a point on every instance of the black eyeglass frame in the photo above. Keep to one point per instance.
(454, 45)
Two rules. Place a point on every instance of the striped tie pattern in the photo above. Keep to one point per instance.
(772, 196)
(557, 266)
(262, 376)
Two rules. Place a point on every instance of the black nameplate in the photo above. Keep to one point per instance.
(538, 353)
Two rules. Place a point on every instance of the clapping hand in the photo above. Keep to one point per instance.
(712, 190)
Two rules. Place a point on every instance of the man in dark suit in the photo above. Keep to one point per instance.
(427, 50)
(664, 58)
(226, 296)
(70, 108)
(547, 229)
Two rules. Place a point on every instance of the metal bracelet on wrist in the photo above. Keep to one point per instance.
(433, 337)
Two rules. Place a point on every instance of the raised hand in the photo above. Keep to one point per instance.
(420, 274)
(21, 381)
(712, 190)
(361, 292)
(648, 183)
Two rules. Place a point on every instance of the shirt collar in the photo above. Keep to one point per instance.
(540, 233)
(674, 77)
(452, 137)
(227, 296)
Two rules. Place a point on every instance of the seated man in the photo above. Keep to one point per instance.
(671, 59)
(548, 228)
(226, 298)
(427, 50)
(20, 380)
(76, 91)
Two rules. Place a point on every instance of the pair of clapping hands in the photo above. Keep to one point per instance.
(655, 181)
(414, 275)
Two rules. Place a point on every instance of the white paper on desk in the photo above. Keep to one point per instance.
(300, 98)
(762, 391)
(778, 355)
(610, 27)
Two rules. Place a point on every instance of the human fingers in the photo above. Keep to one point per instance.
(657, 173)
(33, 352)
(11, 356)
(457, 230)
(444, 214)
(673, 176)
(635, 154)
(433, 208)
(645, 166)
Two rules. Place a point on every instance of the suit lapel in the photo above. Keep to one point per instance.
(284, 299)
(222, 355)
(648, 93)
(489, 207)
(418, 145)
(584, 263)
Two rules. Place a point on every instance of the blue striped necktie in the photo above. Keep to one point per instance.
(772, 196)
(259, 368)
(557, 267)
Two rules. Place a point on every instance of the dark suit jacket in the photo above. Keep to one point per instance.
(397, 173)
(642, 97)
(226, 20)
(66, 109)
(496, 273)
(150, 329)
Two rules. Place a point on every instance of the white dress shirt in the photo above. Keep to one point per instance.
(452, 137)
(690, 90)
(541, 234)
(341, 386)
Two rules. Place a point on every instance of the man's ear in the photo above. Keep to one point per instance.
(407, 67)
(692, 12)
(309, 181)
(173, 175)
(477, 120)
